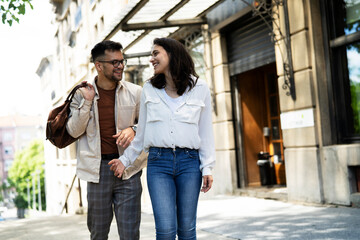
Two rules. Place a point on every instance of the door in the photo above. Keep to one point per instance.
(259, 103)
(276, 148)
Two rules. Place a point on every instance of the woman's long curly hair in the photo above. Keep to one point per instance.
(181, 66)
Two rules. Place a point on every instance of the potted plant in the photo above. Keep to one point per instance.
(21, 204)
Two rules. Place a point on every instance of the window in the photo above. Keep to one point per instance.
(78, 16)
(8, 150)
(195, 45)
(101, 24)
(7, 137)
(95, 32)
(8, 164)
(343, 29)
(25, 136)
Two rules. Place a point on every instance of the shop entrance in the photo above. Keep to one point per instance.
(260, 113)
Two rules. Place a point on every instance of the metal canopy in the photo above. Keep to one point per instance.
(143, 20)
(163, 24)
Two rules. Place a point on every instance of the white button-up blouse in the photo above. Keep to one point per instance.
(189, 126)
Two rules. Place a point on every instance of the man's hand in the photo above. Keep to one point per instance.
(207, 183)
(88, 92)
(117, 167)
(124, 137)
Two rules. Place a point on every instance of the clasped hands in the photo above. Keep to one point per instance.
(123, 138)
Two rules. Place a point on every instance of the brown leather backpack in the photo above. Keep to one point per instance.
(56, 124)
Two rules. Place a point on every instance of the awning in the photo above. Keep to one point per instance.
(143, 20)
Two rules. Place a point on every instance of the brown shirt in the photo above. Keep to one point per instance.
(106, 107)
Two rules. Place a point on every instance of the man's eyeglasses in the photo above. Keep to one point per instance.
(116, 63)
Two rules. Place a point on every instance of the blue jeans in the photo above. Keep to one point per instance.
(174, 181)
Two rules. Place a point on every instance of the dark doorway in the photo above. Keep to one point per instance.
(260, 113)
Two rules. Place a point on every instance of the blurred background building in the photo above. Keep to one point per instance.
(16, 132)
(284, 77)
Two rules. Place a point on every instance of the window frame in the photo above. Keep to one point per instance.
(335, 43)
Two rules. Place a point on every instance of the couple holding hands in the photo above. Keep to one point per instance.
(117, 121)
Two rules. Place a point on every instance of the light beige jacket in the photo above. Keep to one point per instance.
(84, 123)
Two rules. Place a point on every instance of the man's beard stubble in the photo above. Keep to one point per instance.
(115, 80)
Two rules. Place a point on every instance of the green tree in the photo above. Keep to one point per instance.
(10, 10)
(355, 104)
(2, 189)
(28, 163)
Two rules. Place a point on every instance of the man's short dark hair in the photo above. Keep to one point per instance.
(99, 49)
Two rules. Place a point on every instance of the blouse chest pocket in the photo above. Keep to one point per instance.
(190, 112)
(153, 109)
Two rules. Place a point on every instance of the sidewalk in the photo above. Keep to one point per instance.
(220, 218)
(253, 218)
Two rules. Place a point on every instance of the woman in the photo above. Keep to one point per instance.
(175, 127)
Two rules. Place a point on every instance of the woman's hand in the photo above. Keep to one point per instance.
(207, 183)
(117, 167)
(124, 137)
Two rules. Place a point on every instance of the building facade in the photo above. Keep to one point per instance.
(16, 132)
(284, 78)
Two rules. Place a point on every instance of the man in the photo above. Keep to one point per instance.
(102, 113)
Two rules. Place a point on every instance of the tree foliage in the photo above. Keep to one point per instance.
(355, 104)
(20, 201)
(27, 165)
(11, 9)
(2, 189)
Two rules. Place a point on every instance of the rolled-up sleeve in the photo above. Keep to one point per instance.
(135, 148)
(207, 145)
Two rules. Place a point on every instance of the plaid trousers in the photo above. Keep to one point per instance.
(114, 195)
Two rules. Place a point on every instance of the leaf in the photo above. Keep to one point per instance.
(14, 17)
(15, 8)
(29, 2)
(11, 5)
(3, 17)
(21, 9)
